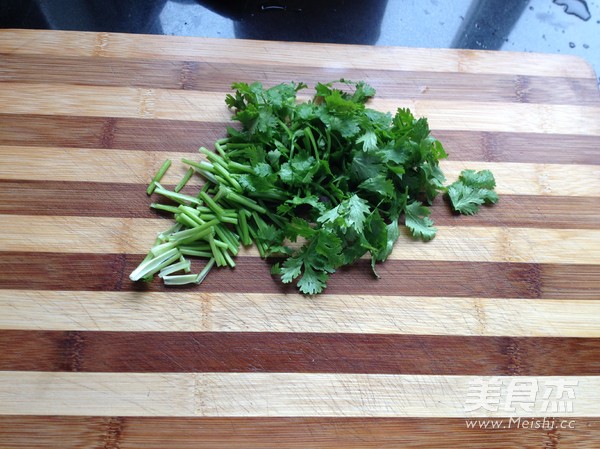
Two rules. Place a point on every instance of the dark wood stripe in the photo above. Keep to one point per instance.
(64, 198)
(218, 77)
(91, 199)
(71, 271)
(182, 136)
(70, 432)
(519, 147)
(107, 132)
(526, 211)
(250, 352)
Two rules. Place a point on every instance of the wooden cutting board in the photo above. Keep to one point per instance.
(498, 317)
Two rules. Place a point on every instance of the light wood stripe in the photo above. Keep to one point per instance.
(129, 166)
(502, 244)
(500, 116)
(150, 103)
(267, 394)
(196, 311)
(102, 101)
(24, 233)
(533, 179)
(217, 76)
(113, 45)
(93, 165)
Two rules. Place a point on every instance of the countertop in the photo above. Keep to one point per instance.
(559, 26)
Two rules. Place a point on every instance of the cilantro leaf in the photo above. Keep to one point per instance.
(351, 213)
(472, 190)
(312, 281)
(418, 221)
(379, 185)
(376, 237)
(299, 170)
(313, 263)
(483, 179)
(368, 140)
(363, 92)
(312, 201)
(365, 166)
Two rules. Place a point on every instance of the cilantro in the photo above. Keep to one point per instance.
(319, 184)
(418, 221)
(472, 190)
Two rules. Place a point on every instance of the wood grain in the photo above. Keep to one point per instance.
(298, 352)
(64, 271)
(45, 432)
(104, 199)
(211, 76)
(267, 394)
(331, 56)
(129, 166)
(34, 130)
(169, 104)
(466, 244)
(90, 359)
(192, 311)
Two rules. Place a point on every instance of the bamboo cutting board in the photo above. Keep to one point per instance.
(507, 298)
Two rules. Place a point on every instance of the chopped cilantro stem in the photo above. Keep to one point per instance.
(231, 219)
(185, 220)
(243, 225)
(230, 244)
(162, 248)
(246, 202)
(158, 176)
(154, 265)
(236, 166)
(183, 265)
(228, 259)
(197, 231)
(219, 259)
(163, 235)
(180, 279)
(220, 244)
(213, 157)
(164, 207)
(193, 219)
(203, 168)
(212, 205)
(205, 270)
(184, 180)
(219, 146)
(196, 253)
(222, 171)
(196, 246)
(178, 197)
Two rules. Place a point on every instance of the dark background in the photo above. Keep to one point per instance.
(559, 26)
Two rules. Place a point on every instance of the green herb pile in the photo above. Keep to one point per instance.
(319, 184)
